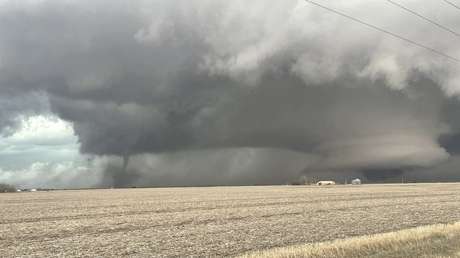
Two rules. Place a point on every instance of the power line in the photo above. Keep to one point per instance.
(454, 5)
(386, 31)
(424, 18)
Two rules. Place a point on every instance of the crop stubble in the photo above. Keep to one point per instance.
(213, 220)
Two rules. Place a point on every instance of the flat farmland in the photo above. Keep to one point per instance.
(211, 221)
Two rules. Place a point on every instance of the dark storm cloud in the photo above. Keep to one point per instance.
(172, 77)
(16, 106)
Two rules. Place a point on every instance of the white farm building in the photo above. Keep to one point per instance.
(321, 183)
(356, 181)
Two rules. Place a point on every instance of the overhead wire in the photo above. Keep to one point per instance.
(394, 35)
(452, 4)
(423, 17)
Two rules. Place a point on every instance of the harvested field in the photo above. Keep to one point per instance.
(212, 221)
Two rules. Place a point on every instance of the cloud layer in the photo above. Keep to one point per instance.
(179, 78)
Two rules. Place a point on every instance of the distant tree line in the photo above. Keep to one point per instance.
(6, 188)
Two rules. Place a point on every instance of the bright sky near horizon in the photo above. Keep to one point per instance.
(44, 144)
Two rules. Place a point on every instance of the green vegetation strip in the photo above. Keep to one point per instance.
(428, 241)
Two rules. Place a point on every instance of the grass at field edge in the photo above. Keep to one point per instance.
(442, 240)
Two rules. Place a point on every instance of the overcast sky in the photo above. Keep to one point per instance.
(211, 92)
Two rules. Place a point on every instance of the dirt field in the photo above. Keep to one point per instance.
(211, 221)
